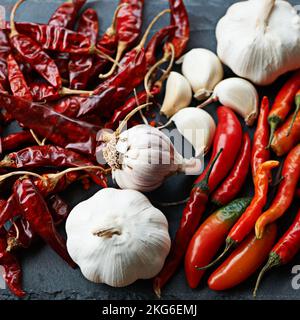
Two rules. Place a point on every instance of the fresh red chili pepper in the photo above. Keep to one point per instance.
(34, 209)
(283, 103)
(209, 237)
(298, 193)
(65, 15)
(16, 79)
(57, 128)
(285, 193)
(180, 19)
(49, 155)
(128, 28)
(12, 269)
(32, 53)
(287, 136)
(284, 251)
(81, 65)
(41, 91)
(16, 140)
(243, 262)
(235, 180)
(228, 130)
(296, 112)
(260, 152)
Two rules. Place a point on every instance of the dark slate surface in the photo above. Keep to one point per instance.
(48, 277)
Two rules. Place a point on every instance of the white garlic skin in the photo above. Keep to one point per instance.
(197, 126)
(204, 70)
(137, 252)
(260, 42)
(178, 94)
(239, 95)
(136, 147)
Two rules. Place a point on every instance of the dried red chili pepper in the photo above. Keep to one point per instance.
(58, 208)
(228, 130)
(128, 29)
(283, 103)
(32, 53)
(16, 140)
(81, 65)
(61, 59)
(65, 15)
(41, 91)
(284, 251)
(20, 235)
(285, 193)
(243, 262)
(12, 268)
(57, 128)
(260, 153)
(16, 79)
(4, 51)
(247, 221)
(49, 155)
(34, 209)
(234, 182)
(287, 136)
(209, 237)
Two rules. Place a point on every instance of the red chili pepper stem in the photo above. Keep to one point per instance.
(66, 91)
(123, 45)
(13, 30)
(297, 101)
(111, 30)
(274, 261)
(17, 173)
(274, 122)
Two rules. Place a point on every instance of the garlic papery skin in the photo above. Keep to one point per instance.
(238, 94)
(260, 39)
(204, 70)
(117, 237)
(178, 94)
(197, 126)
(142, 157)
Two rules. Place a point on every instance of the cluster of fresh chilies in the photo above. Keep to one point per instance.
(35, 61)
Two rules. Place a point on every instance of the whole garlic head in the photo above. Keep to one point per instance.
(260, 39)
(117, 237)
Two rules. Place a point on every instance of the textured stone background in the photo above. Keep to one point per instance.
(48, 277)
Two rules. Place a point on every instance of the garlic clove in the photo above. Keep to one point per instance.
(178, 94)
(204, 70)
(197, 126)
(240, 95)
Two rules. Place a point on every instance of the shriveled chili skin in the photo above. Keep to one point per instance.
(209, 237)
(4, 51)
(25, 235)
(33, 54)
(232, 185)
(16, 140)
(57, 128)
(65, 15)
(180, 19)
(34, 209)
(12, 268)
(59, 208)
(284, 138)
(17, 80)
(41, 91)
(9, 210)
(81, 65)
(247, 221)
(260, 152)
(285, 193)
(229, 130)
(244, 261)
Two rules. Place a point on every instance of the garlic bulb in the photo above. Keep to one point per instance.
(142, 157)
(239, 95)
(178, 94)
(117, 237)
(197, 126)
(204, 70)
(260, 39)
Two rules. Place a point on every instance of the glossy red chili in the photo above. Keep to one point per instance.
(16, 140)
(58, 207)
(4, 51)
(260, 152)
(20, 235)
(34, 209)
(229, 130)
(17, 80)
(236, 178)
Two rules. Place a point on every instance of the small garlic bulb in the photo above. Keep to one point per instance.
(178, 94)
(197, 126)
(142, 157)
(238, 94)
(204, 70)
